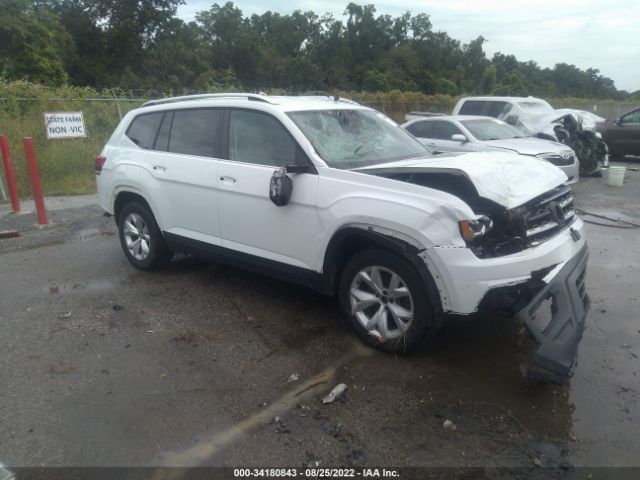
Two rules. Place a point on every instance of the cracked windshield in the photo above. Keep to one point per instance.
(356, 138)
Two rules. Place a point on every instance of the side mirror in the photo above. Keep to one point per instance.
(280, 187)
(458, 137)
(619, 121)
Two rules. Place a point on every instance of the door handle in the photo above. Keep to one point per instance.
(159, 168)
(227, 180)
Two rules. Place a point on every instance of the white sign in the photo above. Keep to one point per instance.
(64, 125)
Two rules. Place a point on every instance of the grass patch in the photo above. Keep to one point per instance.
(66, 165)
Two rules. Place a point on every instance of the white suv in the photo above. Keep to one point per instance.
(335, 196)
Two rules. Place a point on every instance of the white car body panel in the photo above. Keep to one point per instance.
(527, 145)
(252, 224)
(508, 179)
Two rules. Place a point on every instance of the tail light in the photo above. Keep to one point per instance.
(100, 163)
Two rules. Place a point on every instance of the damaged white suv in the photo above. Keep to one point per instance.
(335, 196)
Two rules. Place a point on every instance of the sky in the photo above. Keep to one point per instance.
(602, 34)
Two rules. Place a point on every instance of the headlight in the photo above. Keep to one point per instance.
(598, 135)
(472, 229)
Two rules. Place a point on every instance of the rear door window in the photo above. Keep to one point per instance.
(420, 129)
(143, 129)
(197, 132)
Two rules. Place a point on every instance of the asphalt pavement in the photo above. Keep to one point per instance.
(202, 364)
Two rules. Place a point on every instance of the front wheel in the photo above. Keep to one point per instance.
(387, 302)
(141, 238)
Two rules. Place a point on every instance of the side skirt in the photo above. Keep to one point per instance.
(252, 263)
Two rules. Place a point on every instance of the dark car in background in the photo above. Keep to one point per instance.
(622, 134)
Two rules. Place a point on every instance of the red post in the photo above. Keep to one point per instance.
(30, 154)
(8, 171)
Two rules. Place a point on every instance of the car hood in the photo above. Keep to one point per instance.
(527, 145)
(543, 122)
(505, 178)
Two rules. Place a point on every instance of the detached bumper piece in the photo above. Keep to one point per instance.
(556, 319)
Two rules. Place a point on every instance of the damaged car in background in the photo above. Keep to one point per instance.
(467, 133)
(348, 203)
(535, 117)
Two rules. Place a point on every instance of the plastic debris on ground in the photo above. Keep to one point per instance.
(449, 425)
(337, 392)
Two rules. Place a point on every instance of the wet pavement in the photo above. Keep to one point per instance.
(104, 365)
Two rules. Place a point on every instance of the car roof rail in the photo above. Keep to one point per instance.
(259, 97)
(331, 98)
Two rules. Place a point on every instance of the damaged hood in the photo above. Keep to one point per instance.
(543, 122)
(527, 145)
(504, 178)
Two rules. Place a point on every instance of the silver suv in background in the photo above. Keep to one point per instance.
(466, 133)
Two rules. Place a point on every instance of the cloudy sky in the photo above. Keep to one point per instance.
(603, 34)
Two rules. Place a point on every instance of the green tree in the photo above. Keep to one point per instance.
(31, 45)
(513, 84)
(488, 81)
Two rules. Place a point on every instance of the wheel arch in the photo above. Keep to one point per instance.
(125, 196)
(352, 239)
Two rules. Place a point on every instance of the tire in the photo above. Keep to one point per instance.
(136, 217)
(422, 302)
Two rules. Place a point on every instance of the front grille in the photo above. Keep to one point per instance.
(560, 160)
(548, 214)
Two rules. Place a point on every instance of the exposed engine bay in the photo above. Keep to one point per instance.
(512, 230)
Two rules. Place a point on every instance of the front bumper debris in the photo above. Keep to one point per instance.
(566, 297)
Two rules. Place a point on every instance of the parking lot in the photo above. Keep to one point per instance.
(202, 364)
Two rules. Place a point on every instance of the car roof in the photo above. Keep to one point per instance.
(261, 101)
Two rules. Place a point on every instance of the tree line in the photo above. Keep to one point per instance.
(142, 44)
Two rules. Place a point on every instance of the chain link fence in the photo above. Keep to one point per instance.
(67, 166)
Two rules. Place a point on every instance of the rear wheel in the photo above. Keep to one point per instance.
(141, 238)
(387, 303)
